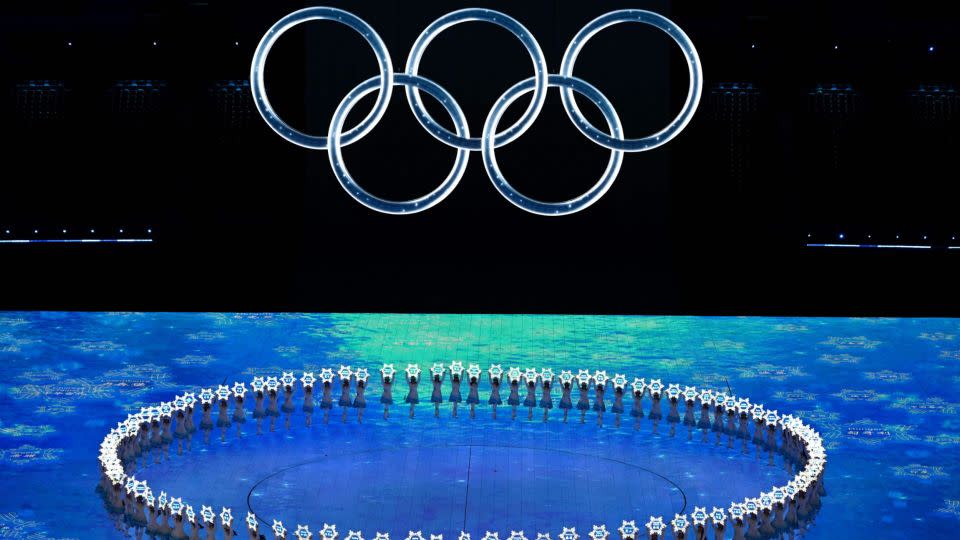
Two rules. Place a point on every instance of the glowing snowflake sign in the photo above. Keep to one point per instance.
(656, 526)
(329, 532)
(387, 371)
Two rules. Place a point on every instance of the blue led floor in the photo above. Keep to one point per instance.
(882, 392)
(446, 475)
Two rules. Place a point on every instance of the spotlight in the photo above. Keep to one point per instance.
(8, 231)
(753, 45)
(842, 236)
(121, 231)
(92, 231)
(154, 43)
(931, 49)
(64, 231)
(69, 44)
(149, 231)
(836, 47)
(35, 231)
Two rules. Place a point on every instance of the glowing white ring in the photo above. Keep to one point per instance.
(674, 128)
(532, 205)
(515, 28)
(258, 67)
(490, 139)
(372, 201)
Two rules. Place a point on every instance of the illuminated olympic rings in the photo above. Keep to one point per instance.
(490, 139)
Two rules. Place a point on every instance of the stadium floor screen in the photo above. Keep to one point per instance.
(240, 423)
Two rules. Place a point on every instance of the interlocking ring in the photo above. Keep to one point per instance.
(693, 94)
(490, 140)
(515, 28)
(320, 13)
(398, 207)
(532, 205)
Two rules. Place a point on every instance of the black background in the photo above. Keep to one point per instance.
(715, 222)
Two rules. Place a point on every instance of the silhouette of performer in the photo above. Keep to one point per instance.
(387, 374)
(566, 386)
(496, 373)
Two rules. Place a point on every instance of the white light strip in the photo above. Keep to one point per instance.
(873, 246)
(78, 241)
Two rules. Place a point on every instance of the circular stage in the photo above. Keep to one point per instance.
(461, 485)
(446, 475)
